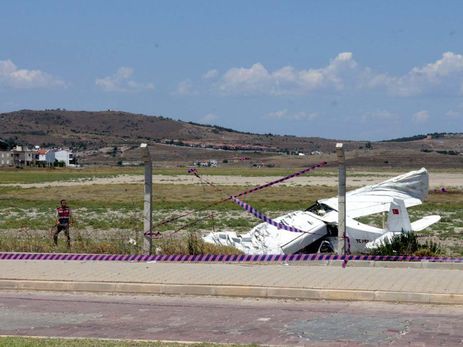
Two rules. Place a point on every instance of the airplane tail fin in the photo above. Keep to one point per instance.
(418, 225)
(398, 219)
(398, 222)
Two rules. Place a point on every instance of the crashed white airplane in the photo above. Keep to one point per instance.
(317, 226)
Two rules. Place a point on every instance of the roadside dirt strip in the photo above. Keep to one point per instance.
(293, 281)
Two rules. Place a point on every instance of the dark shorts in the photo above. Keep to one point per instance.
(61, 227)
(63, 221)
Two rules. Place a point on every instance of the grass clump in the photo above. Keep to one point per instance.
(407, 244)
(191, 244)
(28, 241)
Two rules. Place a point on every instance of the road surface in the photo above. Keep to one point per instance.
(261, 321)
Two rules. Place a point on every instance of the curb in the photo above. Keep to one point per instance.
(316, 259)
(386, 264)
(233, 291)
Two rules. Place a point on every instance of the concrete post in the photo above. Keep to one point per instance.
(341, 199)
(147, 201)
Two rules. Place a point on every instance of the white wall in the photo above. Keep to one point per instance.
(63, 155)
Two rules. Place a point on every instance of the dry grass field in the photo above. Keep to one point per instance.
(108, 202)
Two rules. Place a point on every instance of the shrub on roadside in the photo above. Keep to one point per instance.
(407, 244)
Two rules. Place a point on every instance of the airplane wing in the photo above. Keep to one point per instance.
(411, 187)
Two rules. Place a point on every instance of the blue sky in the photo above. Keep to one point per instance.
(366, 70)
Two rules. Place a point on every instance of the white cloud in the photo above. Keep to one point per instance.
(185, 88)
(11, 76)
(121, 82)
(288, 80)
(421, 116)
(343, 73)
(298, 116)
(211, 74)
(443, 75)
(209, 118)
(449, 64)
(255, 79)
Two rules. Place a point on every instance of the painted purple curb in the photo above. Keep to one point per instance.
(218, 257)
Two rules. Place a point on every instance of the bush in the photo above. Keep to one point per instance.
(194, 244)
(407, 244)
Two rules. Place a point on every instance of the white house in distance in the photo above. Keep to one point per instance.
(66, 156)
(22, 156)
(60, 155)
(41, 155)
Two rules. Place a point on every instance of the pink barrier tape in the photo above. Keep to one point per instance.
(313, 167)
(219, 257)
(249, 191)
(269, 184)
(263, 217)
(347, 245)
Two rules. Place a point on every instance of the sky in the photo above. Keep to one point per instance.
(353, 70)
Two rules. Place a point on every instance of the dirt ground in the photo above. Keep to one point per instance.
(436, 180)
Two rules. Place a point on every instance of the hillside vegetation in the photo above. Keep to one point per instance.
(109, 137)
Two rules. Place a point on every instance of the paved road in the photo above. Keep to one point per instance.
(209, 319)
(396, 284)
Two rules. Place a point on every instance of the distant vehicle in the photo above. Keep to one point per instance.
(317, 226)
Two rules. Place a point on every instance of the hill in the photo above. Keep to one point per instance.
(110, 137)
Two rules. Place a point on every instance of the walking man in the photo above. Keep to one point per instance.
(63, 219)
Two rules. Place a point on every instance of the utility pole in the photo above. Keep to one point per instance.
(147, 201)
(341, 199)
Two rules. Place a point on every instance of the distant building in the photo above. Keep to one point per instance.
(6, 158)
(60, 156)
(22, 156)
(41, 157)
(208, 163)
(130, 163)
(66, 156)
